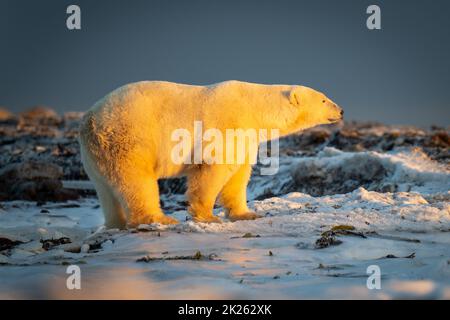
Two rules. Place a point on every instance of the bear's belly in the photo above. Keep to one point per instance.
(168, 169)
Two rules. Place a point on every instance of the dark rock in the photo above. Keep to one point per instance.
(388, 187)
(7, 117)
(30, 170)
(49, 244)
(327, 240)
(35, 181)
(39, 115)
(318, 181)
(6, 243)
(440, 139)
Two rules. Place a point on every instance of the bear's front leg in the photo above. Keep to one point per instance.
(204, 184)
(234, 195)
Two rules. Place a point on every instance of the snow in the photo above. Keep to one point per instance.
(405, 233)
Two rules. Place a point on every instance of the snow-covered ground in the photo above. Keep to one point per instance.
(404, 231)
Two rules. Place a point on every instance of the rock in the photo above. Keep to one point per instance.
(440, 139)
(145, 228)
(7, 117)
(307, 140)
(312, 178)
(34, 181)
(51, 243)
(388, 187)
(40, 149)
(39, 115)
(7, 243)
(72, 116)
(71, 247)
(30, 170)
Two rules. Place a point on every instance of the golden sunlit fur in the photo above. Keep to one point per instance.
(126, 143)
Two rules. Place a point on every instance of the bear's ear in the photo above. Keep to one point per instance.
(294, 97)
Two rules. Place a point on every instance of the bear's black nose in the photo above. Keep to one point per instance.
(342, 112)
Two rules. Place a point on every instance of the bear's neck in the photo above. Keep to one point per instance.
(284, 120)
(258, 105)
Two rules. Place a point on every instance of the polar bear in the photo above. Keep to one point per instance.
(126, 144)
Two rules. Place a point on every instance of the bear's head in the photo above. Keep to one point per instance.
(313, 107)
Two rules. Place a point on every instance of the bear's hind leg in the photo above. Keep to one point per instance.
(115, 216)
(113, 211)
(140, 196)
(234, 195)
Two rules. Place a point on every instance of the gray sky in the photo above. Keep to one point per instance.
(397, 75)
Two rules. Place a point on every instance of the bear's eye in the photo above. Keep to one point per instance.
(323, 101)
